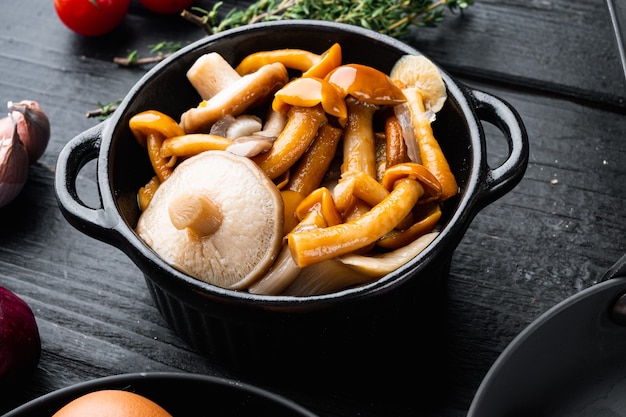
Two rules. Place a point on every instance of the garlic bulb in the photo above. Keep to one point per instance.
(13, 161)
(33, 127)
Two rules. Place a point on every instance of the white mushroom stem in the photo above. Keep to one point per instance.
(282, 273)
(236, 98)
(196, 213)
(325, 277)
(250, 146)
(210, 74)
(235, 127)
(378, 265)
(403, 114)
(259, 141)
(274, 124)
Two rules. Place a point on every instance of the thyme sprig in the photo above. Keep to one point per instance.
(160, 51)
(391, 17)
(103, 111)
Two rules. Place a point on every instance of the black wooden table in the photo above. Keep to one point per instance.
(557, 62)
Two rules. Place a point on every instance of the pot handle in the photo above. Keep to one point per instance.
(501, 114)
(73, 157)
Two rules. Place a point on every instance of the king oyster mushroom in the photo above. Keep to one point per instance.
(218, 218)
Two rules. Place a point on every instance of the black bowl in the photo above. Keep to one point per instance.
(179, 393)
(338, 331)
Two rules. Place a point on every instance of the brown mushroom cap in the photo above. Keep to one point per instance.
(240, 241)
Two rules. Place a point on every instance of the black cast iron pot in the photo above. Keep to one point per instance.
(392, 319)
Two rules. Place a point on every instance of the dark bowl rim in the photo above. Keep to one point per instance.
(80, 388)
(446, 241)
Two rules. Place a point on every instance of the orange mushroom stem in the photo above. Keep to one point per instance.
(300, 130)
(414, 171)
(145, 193)
(431, 154)
(320, 200)
(298, 59)
(395, 152)
(150, 129)
(313, 165)
(425, 223)
(236, 98)
(320, 244)
(359, 142)
(291, 200)
(357, 184)
(193, 143)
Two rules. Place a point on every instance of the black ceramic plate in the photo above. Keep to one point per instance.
(617, 8)
(179, 393)
(569, 362)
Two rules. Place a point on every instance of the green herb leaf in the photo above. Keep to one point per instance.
(391, 17)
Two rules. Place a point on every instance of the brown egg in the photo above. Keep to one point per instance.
(112, 403)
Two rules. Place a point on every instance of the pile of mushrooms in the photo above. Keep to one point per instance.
(296, 174)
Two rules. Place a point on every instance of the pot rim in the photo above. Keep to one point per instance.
(441, 247)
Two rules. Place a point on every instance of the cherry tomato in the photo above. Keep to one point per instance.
(166, 6)
(91, 17)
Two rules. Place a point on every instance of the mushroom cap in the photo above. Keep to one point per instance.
(417, 71)
(249, 235)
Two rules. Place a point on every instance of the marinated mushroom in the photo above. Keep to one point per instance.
(395, 152)
(316, 245)
(193, 144)
(300, 130)
(309, 63)
(418, 72)
(210, 74)
(218, 218)
(366, 84)
(353, 269)
(260, 141)
(309, 92)
(332, 217)
(298, 59)
(282, 273)
(236, 98)
(425, 93)
(150, 129)
(316, 211)
(235, 127)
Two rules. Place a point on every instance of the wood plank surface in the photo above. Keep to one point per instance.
(556, 62)
(560, 47)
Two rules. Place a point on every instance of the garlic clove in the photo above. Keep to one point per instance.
(33, 127)
(14, 162)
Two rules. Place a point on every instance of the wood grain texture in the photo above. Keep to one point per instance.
(561, 47)
(556, 62)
